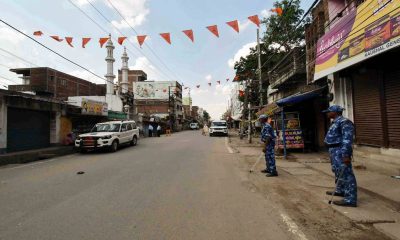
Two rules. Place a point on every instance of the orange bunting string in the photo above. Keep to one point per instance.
(234, 24)
(278, 10)
(167, 37)
(69, 41)
(189, 34)
(38, 33)
(213, 29)
(241, 93)
(255, 20)
(121, 40)
(102, 41)
(141, 39)
(57, 38)
(85, 41)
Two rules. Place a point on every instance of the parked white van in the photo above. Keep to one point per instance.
(218, 127)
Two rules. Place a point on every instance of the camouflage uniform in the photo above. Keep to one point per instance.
(268, 132)
(339, 139)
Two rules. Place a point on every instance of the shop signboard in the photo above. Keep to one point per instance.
(366, 31)
(154, 90)
(293, 132)
(90, 107)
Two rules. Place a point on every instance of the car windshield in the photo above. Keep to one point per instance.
(218, 124)
(106, 127)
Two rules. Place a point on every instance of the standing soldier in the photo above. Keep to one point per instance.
(339, 140)
(268, 138)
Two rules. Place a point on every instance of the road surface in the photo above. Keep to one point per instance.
(186, 186)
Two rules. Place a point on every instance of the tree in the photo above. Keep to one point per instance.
(280, 36)
(284, 32)
(206, 116)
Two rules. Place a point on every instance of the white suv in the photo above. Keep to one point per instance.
(218, 127)
(194, 126)
(108, 135)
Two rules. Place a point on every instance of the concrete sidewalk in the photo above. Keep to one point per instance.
(379, 194)
(35, 155)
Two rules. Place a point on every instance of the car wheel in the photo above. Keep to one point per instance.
(114, 146)
(82, 150)
(134, 141)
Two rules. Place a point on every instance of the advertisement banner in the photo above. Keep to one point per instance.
(153, 90)
(90, 107)
(366, 31)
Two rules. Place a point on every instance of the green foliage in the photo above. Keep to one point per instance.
(206, 116)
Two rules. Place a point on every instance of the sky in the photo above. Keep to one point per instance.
(208, 59)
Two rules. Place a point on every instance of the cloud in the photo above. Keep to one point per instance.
(243, 52)
(266, 13)
(10, 37)
(243, 25)
(209, 78)
(134, 11)
(85, 75)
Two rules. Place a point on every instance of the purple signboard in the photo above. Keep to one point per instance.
(329, 44)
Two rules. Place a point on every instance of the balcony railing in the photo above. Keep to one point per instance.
(291, 68)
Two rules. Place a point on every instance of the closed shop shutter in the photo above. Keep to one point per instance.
(367, 109)
(27, 129)
(392, 97)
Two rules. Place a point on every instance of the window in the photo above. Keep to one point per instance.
(124, 127)
(129, 127)
(134, 125)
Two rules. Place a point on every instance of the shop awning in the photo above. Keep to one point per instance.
(269, 109)
(299, 97)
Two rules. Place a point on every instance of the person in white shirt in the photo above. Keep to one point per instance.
(158, 130)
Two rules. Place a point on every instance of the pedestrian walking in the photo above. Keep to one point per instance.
(339, 140)
(158, 130)
(150, 130)
(268, 137)
(204, 131)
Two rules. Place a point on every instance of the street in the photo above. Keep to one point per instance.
(181, 187)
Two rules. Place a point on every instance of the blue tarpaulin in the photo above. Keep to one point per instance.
(298, 98)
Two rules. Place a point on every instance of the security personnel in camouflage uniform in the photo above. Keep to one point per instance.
(339, 140)
(268, 138)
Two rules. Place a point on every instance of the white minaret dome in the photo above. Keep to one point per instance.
(124, 70)
(110, 66)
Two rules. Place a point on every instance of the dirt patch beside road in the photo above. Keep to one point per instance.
(299, 193)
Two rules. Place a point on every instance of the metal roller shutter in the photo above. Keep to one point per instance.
(392, 97)
(367, 109)
(27, 129)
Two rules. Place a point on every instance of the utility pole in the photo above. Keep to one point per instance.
(259, 68)
(249, 118)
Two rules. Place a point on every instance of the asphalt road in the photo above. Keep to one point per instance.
(186, 186)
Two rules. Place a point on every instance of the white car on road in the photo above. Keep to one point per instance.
(108, 135)
(194, 126)
(218, 128)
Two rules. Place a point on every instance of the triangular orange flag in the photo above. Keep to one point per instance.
(227, 79)
(255, 20)
(69, 41)
(38, 33)
(219, 82)
(214, 30)
(278, 10)
(57, 38)
(141, 39)
(102, 41)
(234, 24)
(85, 41)
(198, 86)
(189, 33)
(121, 40)
(209, 84)
(167, 37)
